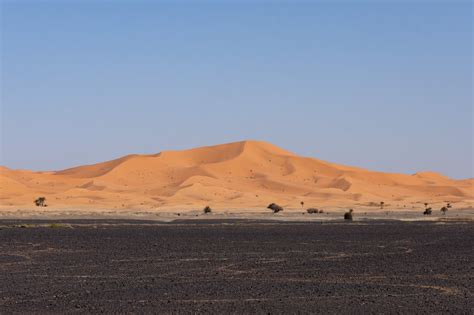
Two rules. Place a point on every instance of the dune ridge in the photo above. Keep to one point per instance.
(240, 175)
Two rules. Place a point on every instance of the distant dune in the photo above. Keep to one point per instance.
(241, 175)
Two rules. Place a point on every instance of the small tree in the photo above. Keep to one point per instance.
(348, 215)
(275, 208)
(426, 205)
(312, 210)
(302, 204)
(381, 204)
(207, 209)
(448, 205)
(40, 202)
(444, 210)
(428, 211)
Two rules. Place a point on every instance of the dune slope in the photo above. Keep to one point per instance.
(241, 175)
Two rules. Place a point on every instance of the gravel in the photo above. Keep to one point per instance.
(222, 266)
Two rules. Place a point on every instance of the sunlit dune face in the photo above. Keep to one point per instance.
(241, 175)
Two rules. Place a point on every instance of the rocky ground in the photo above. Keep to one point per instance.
(236, 266)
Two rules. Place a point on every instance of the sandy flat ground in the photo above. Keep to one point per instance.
(255, 214)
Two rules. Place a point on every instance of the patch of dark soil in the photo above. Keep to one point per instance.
(238, 267)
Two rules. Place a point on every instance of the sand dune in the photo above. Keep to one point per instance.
(241, 175)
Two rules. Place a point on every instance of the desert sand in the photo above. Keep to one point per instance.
(240, 176)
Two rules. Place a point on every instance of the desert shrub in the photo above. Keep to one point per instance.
(448, 205)
(321, 211)
(207, 209)
(381, 204)
(40, 202)
(428, 211)
(312, 210)
(58, 225)
(348, 215)
(444, 210)
(275, 208)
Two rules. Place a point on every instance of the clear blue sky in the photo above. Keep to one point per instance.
(384, 86)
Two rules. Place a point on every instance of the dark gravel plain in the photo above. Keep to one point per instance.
(236, 267)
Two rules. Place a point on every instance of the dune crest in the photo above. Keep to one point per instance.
(239, 175)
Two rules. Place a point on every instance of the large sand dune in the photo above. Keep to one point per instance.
(241, 175)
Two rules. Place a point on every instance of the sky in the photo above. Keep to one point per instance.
(382, 85)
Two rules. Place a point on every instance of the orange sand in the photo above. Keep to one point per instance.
(242, 175)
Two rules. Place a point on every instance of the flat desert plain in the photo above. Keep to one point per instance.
(238, 179)
(236, 266)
